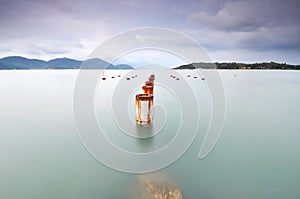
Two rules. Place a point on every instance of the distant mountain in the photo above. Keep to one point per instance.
(123, 66)
(234, 65)
(17, 62)
(96, 63)
(64, 63)
(187, 66)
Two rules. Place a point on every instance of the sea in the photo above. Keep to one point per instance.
(44, 152)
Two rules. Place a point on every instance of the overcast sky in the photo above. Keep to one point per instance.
(241, 30)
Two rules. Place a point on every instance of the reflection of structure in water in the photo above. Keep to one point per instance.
(158, 186)
(144, 102)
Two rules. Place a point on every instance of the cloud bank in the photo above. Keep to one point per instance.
(239, 30)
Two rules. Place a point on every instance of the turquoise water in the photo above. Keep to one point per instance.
(257, 155)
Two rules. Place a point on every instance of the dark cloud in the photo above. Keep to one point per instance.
(52, 27)
(255, 26)
(247, 15)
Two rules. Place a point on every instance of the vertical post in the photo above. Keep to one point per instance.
(144, 104)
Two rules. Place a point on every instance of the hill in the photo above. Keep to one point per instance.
(63, 63)
(17, 62)
(123, 66)
(234, 65)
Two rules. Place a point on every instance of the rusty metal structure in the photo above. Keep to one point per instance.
(144, 103)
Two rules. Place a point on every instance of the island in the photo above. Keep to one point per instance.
(18, 62)
(242, 66)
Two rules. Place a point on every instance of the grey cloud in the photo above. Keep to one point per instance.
(57, 26)
(246, 15)
(268, 38)
(262, 39)
(255, 26)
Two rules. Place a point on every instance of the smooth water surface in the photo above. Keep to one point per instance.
(257, 155)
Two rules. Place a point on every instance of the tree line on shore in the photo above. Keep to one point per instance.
(244, 66)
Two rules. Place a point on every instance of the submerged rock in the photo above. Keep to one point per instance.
(157, 187)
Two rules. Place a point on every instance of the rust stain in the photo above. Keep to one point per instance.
(147, 89)
(143, 119)
(148, 83)
(144, 112)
